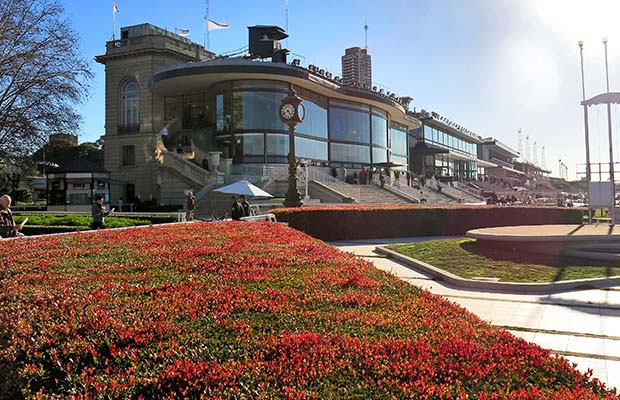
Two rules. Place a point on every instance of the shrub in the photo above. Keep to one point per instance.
(365, 222)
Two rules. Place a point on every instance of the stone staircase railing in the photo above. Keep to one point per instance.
(314, 174)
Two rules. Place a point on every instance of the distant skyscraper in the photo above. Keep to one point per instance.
(356, 68)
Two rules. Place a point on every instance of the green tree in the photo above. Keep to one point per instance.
(42, 75)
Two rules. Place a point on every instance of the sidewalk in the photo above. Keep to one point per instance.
(583, 326)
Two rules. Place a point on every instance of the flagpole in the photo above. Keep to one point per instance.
(587, 129)
(113, 20)
(611, 148)
(208, 44)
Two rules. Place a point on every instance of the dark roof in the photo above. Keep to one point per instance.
(78, 165)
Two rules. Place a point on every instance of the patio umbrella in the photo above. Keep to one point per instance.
(243, 187)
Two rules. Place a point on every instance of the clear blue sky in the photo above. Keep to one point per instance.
(493, 66)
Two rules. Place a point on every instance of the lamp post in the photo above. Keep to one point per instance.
(292, 113)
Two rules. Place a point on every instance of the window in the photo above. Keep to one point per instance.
(130, 116)
(128, 155)
(350, 153)
(257, 111)
(308, 148)
(398, 141)
(349, 125)
(379, 129)
(379, 155)
(315, 121)
(277, 145)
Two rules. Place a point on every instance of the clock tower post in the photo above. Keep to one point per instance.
(292, 113)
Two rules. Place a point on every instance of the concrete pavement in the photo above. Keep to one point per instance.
(582, 325)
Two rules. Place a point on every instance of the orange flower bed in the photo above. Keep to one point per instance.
(245, 310)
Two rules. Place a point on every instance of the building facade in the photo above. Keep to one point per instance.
(357, 68)
(170, 106)
(445, 149)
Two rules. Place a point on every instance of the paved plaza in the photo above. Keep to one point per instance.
(583, 325)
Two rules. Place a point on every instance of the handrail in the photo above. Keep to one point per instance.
(405, 190)
(317, 175)
(465, 188)
(190, 170)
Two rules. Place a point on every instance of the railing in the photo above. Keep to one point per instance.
(341, 187)
(466, 188)
(187, 168)
(397, 186)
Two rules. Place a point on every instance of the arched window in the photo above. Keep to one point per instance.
(130, 116)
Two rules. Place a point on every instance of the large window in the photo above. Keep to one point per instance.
(379, 129)
(252, 144)
(315, 121)
(222, 113)
(349, 124)
(257, 110)
(308, 148)
(130, 116)
(379, 155)
(128, 155)
(277, 145)
(350, 153)
(398, 141)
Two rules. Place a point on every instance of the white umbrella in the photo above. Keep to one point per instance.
(243, 187)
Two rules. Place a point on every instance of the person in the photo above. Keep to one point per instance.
(7, 225)
(422, 197)
(363, 176)
(439, 187)
(120, 204)
(191, 205)
(381, 178)
(370, 175)
(236, 211)
(344, 173)
(408, 174)
(99, 212)
(243, 201)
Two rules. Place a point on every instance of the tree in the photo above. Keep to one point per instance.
(42, 75)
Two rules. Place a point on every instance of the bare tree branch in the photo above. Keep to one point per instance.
(42, 75)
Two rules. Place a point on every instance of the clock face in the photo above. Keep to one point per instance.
(287, 112)
(301, 111)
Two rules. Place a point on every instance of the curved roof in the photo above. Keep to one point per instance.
(605, 98)
(192, 77)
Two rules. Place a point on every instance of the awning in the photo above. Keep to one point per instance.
(422, 149)
(389, 164)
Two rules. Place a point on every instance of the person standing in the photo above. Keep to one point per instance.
(236, 211)
(99, 212)
(344, 173)
(422, 197)
(191, 205)
(7, 225)
(245, 205)
(120, 204)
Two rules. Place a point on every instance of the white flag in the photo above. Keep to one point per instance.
(211, 25)
(114, 6)
(182, 32)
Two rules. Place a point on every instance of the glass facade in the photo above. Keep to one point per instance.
(350, 124)
(379, 129)
(350, 153)
(241, 119)
(443, 139)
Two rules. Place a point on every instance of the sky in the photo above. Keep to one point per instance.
(492, 66)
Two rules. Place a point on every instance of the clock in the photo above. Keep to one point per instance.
(287, 112)
(301, 111)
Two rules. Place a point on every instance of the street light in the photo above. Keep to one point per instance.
(292, 113)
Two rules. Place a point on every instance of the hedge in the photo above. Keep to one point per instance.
(368, 222)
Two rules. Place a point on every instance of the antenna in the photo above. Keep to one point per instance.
(527, 148)
(535, 156)
(543, 163)
(520, 142)
(286, 16)
(366, 35)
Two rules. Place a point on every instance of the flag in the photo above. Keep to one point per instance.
(182, 32)
(211, 25)
(114, 6)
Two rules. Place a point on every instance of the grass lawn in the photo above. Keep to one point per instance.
(465, 258)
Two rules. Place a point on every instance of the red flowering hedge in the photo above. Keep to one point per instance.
(372, 221)
(245, 310)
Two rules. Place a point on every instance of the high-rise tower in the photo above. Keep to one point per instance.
(356, 68)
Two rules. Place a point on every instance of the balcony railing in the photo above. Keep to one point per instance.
(128, 128)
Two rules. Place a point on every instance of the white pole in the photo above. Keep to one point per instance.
(611, 149)
(113, 20)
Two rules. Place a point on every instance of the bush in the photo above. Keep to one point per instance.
(366, 222)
